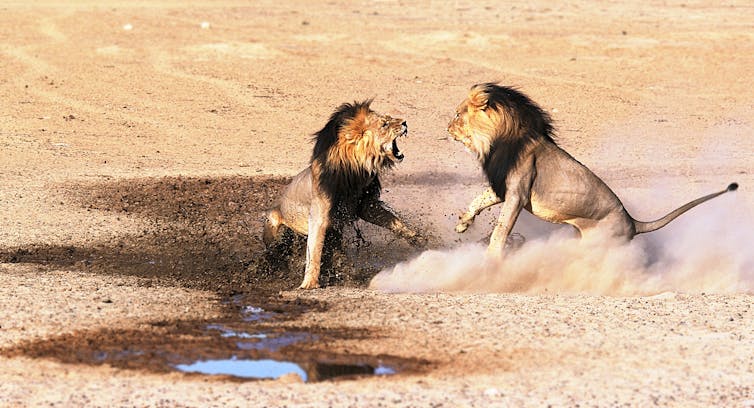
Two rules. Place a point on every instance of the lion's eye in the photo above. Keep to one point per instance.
(385, 124)
(458, 115)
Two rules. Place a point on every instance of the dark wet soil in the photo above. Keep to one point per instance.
(247, 333)
(202, 233)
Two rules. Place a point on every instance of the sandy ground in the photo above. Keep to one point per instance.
(138, 149)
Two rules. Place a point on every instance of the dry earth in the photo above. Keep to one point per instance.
(138, 149)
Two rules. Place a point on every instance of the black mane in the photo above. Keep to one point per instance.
(532, 125)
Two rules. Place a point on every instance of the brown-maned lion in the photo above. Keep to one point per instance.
(341, 184)
(513, 139)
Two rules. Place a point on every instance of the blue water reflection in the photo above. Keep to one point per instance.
(384, 370)
(261, 369)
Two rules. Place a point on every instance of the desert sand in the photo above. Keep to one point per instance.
(140, 143)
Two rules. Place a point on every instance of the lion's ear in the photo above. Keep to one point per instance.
(478, 98)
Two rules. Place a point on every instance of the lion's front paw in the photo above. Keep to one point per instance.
(309, 284)
(465, 222)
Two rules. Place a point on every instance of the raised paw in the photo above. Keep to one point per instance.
(465, 222)
(463, 225)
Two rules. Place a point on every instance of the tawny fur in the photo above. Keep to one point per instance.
(512, 138)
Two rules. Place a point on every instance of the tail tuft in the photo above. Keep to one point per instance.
(733, 187)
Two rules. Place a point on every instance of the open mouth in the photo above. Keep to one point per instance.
(392, 147)
(395, 151)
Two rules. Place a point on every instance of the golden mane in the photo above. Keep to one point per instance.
(497, 112)
(356, 148)
(500, 125)
(352, 147)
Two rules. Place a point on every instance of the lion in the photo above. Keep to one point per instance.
(512, 138)
(341, 185)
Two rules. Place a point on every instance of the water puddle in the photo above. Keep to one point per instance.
(258, 369)
(274, 369)
(255, 314)
(251, 344)
(273, 342)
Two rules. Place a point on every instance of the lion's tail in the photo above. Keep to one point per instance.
(642, 227)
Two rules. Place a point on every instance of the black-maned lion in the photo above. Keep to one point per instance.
(341, 185)
(513, 140)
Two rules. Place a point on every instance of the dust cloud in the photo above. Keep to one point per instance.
(708, 249)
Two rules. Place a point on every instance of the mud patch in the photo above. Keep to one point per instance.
(234, 347)
(196, 232)
(202, 233)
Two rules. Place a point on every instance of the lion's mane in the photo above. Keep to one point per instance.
(347, 156)
(517, 123)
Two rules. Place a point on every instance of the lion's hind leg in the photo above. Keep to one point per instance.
(283, 248)
(273, 227)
